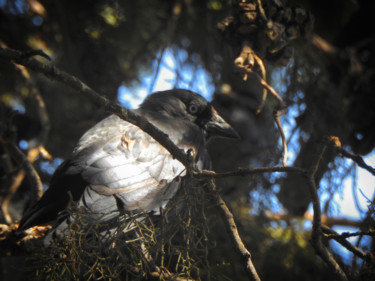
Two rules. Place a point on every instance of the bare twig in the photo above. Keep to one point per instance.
(245, 63)
(248, 172)
(25, 163)
(331, 234)
(327, 221)
(265, 92)
(263, 83)
(17, 180)
(27, 169)
(316, 236)
(344, 235)
(357, 159)
(54, 73)
(323, 45)
(233, 232)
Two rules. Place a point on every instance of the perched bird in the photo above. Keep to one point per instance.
(118, 167)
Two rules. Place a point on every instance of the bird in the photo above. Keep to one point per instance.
(117, 167)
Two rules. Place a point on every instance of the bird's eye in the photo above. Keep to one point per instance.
(193, 109)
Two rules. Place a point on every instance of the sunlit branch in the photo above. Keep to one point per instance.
(327, 221)
(17, 180)
(344, 235)
(245, 62)
(265, 92)
(268, 87)
(25, 163)
(261, 11)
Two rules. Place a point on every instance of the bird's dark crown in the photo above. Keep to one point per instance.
(180, 103)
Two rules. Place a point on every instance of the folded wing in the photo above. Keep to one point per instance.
(115, 167)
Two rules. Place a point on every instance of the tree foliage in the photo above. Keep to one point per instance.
(318, 56)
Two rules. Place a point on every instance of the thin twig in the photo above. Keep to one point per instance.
(233, 232)
(248, 172)
(331, 234)
(316, 236)
(357, 159)
(265, 92)
(261, 11)
(328, 221)
(245, 62)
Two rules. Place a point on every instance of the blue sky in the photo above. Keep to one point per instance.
(192, 78)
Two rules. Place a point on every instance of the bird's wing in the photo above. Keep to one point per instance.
(115, 166)
(131, 171)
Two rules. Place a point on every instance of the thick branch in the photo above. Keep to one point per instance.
(54, 73)
(326, 221)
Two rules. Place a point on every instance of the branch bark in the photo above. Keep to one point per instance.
(316, 236)
(54, 73)
(331, 234)
(357, 159)
(233, 232)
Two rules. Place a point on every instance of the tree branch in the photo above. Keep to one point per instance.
(316, 236)
(54, 73)
(357, 159)
(331, 234)
(231, 227)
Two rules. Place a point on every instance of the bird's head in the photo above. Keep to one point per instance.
(188, 105)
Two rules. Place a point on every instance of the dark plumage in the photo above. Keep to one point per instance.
(116, 166)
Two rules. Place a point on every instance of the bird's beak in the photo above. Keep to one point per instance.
(217, 127)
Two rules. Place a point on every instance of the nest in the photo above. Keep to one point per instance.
(173, 245)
